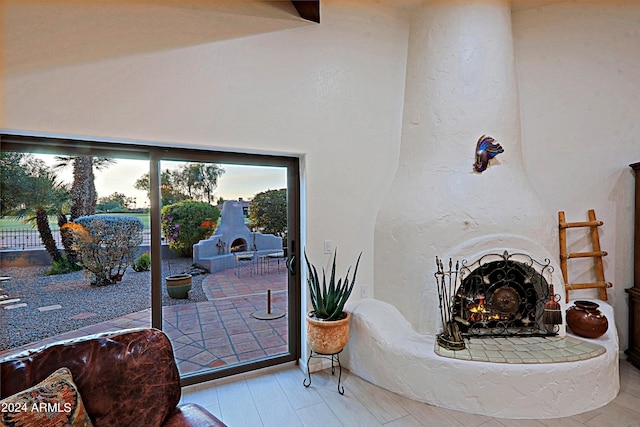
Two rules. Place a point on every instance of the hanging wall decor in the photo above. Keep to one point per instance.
(486, 149)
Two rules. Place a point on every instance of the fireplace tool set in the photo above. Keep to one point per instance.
(500, 295)
(451, 337)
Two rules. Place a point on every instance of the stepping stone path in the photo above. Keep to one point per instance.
(11, 307)
(50, 307)
(3, 296)
(6, 302)
(11, 303)
(83, 316)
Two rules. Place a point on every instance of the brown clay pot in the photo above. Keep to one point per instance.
(327, 337)
(586, 320)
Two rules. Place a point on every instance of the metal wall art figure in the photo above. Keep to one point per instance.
(486, 149)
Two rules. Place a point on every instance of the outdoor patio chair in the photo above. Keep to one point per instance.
(245, 261)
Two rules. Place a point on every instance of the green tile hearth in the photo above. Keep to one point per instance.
(527, 350)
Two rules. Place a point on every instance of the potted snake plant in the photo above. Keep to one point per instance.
(328, 323)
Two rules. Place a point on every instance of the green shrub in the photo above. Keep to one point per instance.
(107, 245)
(63, 266)
(186, 223)
(143, 263)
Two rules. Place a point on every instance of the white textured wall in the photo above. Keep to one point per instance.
(461, 84)
(331, 93)
(579, 75)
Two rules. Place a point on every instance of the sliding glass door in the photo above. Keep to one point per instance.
(221, 233)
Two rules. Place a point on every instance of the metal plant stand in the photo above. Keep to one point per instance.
(335, 359)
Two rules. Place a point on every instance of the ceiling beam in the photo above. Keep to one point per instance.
(309, 10)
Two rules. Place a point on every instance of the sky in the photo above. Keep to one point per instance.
(237, 181)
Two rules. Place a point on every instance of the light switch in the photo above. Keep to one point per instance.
(364, 291)
(328, 246)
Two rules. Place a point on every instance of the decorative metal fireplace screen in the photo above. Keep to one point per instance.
(497, 295)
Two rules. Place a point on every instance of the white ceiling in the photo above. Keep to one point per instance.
(38, 34)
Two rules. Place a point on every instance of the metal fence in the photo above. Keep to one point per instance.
(30, 239)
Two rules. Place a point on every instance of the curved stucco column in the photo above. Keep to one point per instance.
(461, 84)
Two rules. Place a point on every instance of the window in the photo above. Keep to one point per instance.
(207, 344)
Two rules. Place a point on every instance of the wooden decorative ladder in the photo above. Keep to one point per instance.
(601, 284)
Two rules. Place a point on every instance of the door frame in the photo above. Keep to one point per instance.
(155, 154)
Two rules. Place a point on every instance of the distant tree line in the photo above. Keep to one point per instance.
(115, 202)
(193, 181)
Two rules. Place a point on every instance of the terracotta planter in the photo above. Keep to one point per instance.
(178, 285)
(327, 336)
(586, 320)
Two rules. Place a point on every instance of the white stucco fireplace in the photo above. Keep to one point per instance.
(461, 83)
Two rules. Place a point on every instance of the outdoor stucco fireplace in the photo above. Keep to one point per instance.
(233, 237)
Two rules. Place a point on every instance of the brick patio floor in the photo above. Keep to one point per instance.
(217, 332)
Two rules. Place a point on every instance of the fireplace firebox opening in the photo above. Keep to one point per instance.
(239, 245)
(507, 295)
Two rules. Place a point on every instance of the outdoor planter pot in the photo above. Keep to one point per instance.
(178, 285)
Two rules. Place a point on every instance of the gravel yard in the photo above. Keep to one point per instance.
(76, 296)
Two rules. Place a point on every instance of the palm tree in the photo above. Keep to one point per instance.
(66, 237)
(47, 196)
(83, 194)
(83, 190)
(29, 189)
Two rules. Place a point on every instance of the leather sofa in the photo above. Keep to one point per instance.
(125, 378)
